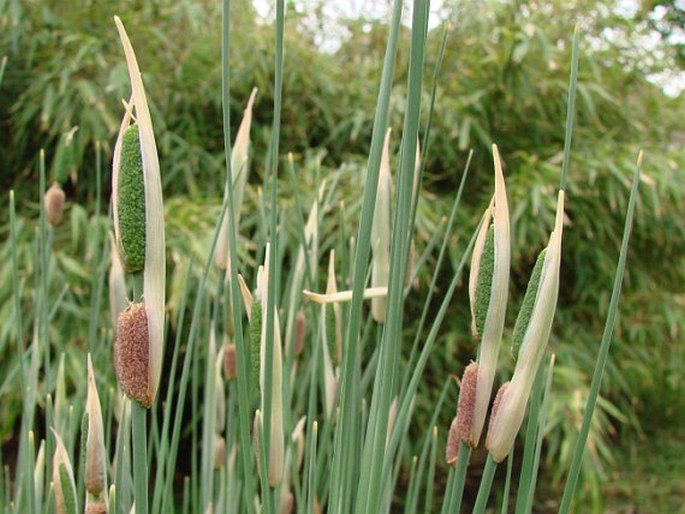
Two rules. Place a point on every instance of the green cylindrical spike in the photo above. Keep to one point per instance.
(131, 190)
(485, 274)
(527, 306)
(255, 340)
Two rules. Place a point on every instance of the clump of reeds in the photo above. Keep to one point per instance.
(312, 414)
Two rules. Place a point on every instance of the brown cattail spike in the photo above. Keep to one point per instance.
(496, 403)
(54, 204)
(230, 365)
(460, 429)
(99, 507)
(287, 503)
(219, 451)
(300, 332)
(131, 354)
(453, 441)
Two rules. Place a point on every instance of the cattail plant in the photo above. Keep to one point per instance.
(331, 324)
(294, 336)
(54, 204)
(64, 485)
(380, 233)
(230, 364)
(239, 173)
(258, 306)
(96, 456)
(460, 429)
(488, 288)
(139, 230)
(530, 337)
(276, 438)
(531, 333)
(138, 214)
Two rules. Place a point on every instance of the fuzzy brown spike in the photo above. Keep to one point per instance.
(131, 354)
(219, 451)
(54, 204)
(460, 429)
(230, 363)
(97, 507)
(287, 503)
(300, 332)
(453, 440)
(496, 403)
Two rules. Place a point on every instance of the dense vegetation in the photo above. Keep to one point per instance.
(503, 79)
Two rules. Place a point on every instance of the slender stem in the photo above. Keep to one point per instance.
(507, 483)
(460, 478)
(139, 432)
(570, 109)
(348, 426)
(541, 434)
(529, 445)
(242, 351)
(372, 478)
(572, 480)
(121, 450)
(430, 480)
(449, 488)
(485, 485)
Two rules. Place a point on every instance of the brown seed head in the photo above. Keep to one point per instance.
(300, 332)
(230, 365)
(219, 451)
(131, 354)
(96, 507)
(460, 429)
(453, 440)
(496, 403)
(287, 503)
(54, 204)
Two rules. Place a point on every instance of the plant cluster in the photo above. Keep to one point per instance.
(282, 388)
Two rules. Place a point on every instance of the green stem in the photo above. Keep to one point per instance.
(507, 483)
(572, 481)
(449, 488)
(524, 489)
(460, 478)
(139, 432)
(485, 486)
(570, 109)
(348, 426)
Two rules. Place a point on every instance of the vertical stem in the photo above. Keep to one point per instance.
(485, 485)
(529, 445)
(572, 480)
(570, 108)
(507, 484)
(460, 478)
(139, 431)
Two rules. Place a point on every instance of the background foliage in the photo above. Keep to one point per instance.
(503, 80)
